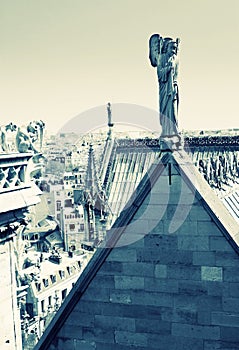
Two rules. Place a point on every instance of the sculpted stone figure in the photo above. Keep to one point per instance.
(23, 141)
(35, 130)
(4, 132)
(163, 56)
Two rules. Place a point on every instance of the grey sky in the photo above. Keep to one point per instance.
(59, 58)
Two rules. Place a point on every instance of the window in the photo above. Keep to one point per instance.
(42, 306)
(38, 286)
(62, 274)
(63, 294)
(58, 205)
(53, 278)
(72, 227)
(45, 282)
(68, 203)
(82, 227)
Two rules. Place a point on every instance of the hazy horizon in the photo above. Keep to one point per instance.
(60, 59)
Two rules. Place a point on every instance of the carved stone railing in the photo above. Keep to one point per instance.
(13, 171)
(212, 141)
(17, 192)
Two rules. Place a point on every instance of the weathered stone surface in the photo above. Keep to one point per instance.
(133, 339)
(211, 273)
(204, 258)
(225, 319)
(194, 331)
(194, 243)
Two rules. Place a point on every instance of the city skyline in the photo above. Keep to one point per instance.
(59, 60)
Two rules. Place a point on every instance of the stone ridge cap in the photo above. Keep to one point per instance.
(103, 252)
(214, 206)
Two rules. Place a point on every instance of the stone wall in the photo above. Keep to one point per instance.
(172, 282)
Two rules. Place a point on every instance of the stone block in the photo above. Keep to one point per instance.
(102, 281)
(215, 288)
(154, 211)
(196, 331)
(233, 289)
(227, 259)
(98, 334)
(111, 268)
(120, 297)
(187, 228)
(204, 258)
(145, 325)
(207, 302)
(229, 345)
(230, 304)
(139, 311)
(69, 344)
(115, 323)
(231, 274)
(230, 334)
(85, 319)
(191, 287)
(129, 282)
(131, 339)
(122, 254)
(178, 257)
(164, 313)
(212, 345)
(211, 273)
(225, 319)
(204, 317)
(179, 212)
(161, 186)
(138, 269)
(194, 243)
(140, 225)
(181, 315)
(208, 228)
(96, 294)
(190, 302)
(131, 240)
(92, 308)
(70, 331)
(160, 271)
(148, 255)
(105, 346)
(160, 242)
(199, 214)
(167, 342)
(219, 244)
(151, 298)
(183, 272)
(161, 285)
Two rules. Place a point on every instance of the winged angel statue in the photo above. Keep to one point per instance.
(163, 55)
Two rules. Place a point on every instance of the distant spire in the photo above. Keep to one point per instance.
(93, 184)
(109, 110)
(110, 124)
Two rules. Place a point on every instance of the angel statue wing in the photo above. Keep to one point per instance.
(155, 46)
